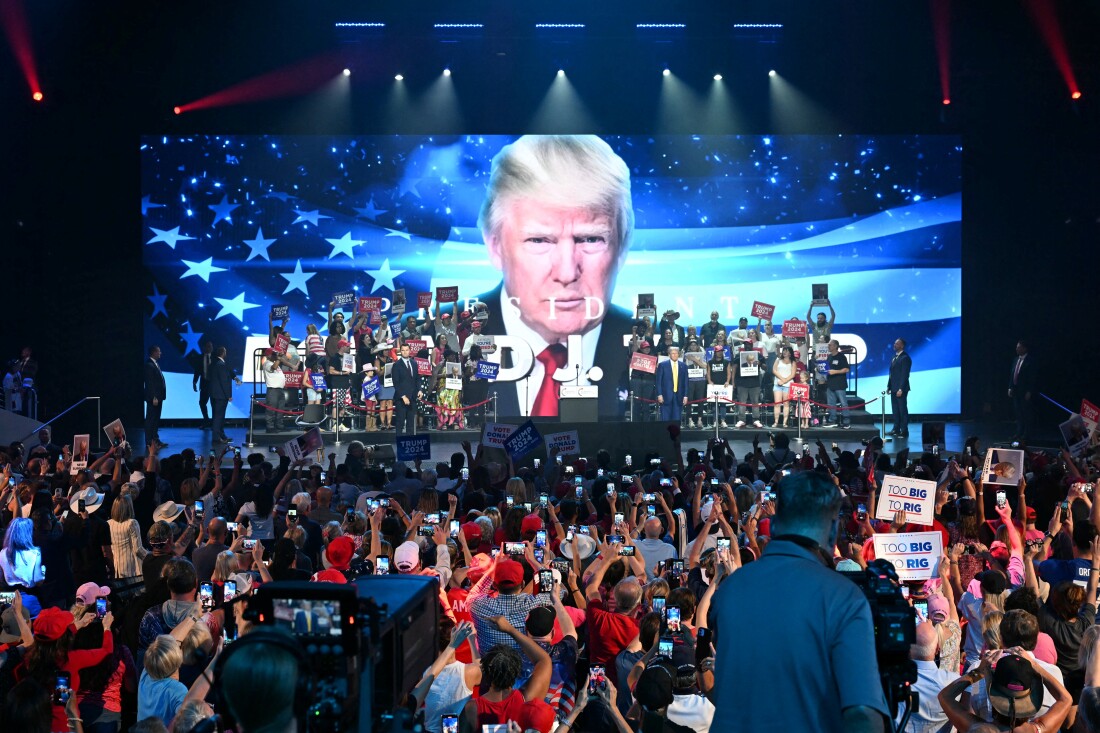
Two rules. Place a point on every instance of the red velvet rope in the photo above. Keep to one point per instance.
(769, 404)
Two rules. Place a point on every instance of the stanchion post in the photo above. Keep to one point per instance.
(251, 425)
(882, 426)
(339, 416)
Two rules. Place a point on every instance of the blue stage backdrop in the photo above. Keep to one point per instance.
(235, 224)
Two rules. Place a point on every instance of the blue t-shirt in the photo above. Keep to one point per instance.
(159, 698)
(1059, 571)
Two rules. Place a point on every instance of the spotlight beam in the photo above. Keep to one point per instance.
(288, 81)
(14, 22)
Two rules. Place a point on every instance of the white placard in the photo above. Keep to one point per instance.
(1003, 466)
(567, 443)
(494, 434)
(915, 555)
(452, 375)
(714, 391)
(915, 497)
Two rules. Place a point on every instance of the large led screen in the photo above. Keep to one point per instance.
(233, 225)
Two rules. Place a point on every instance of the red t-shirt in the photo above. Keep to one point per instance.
(78, 660)
(608, 633)
(495, 713)
(457, 598)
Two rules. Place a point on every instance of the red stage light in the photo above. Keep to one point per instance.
(946, 101)
(37, 96)
(177, 110)
(1076, 95)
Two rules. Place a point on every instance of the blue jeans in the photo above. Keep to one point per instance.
(838, 397)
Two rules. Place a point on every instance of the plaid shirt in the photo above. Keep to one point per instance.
(484, 604)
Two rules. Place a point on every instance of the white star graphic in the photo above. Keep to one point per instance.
(343, 245)
(223, 211)
(168, 236)
(234, 307)
(297, 280)
(369, 212)
(157, 299)
(203, 269)
(408, 185)
(383, 276)
(259, 245)
(147, 204)
(398, 233)
(310, 216)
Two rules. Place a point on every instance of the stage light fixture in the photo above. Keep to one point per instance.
(446, 72)
(771, 73)
(718, 77)
(38, 97)
(347, 72)
(360, 25)
(176, 110)
(399, 77)
(666, 72)
(1075, 95)
(946, 101)
(561, 72)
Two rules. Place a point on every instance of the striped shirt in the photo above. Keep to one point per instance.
(127, 548)
(513, 607)
(314, 345)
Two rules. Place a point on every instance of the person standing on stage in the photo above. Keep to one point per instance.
(1021, 383)
(836, 387)
(406, 392)
(221, 392)
(821, 330)
(898, 386)
(672, 386)
(201, 381)
(155, 392)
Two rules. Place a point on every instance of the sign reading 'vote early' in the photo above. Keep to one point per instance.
(915, 555)
(915, 497)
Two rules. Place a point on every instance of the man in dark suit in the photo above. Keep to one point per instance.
(221, 379)
(201, 381)
(557, 221)
(406, 391)
(898, 386)
(668, 323)
(672, 385)
(1021, 383)
(155, 392)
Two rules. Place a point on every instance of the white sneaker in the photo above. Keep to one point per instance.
(756, 424)
(724, 424)
(740, 424)
(691, 423)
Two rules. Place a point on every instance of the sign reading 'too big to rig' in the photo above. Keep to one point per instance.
(915, 497)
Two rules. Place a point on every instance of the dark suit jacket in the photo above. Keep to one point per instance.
(405, 381)
(196, 368)
(678, 333)
(155, 388)
(664, 380)
(900, 366)
(221, 380)
(611, 356)
(1026, 381)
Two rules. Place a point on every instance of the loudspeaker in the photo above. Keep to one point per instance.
(579, 409)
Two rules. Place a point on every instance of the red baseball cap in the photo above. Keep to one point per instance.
(342, 343)
(531, 523)
(536, 715)
(329, 576)
(472, 531)
(52, 623)
(508, 572)
(340, 552)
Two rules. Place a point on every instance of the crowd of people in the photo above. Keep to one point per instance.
(669, 586)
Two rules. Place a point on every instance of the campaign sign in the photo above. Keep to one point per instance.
(397, 307)
(719, 391)
(567, 443)
(366, 305)
(447, 295)
(293, 379)
(347, 363)
(344, 299)
(415, 345)
(1003, 466)
(795, 329)
(487, 370)
(282, 343)
(494, 434)
(915, 497)
(762, 310)
(371, 387)
(915, 555)
(414, 447)
(523, 441)
(1090, 412)
(487, 344)
(279, 312)
(423, 367)
(643, 362)
(318, 381)
(423, 300)
(306, 447)
(800, 392)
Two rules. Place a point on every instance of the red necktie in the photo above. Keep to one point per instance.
(552, 358)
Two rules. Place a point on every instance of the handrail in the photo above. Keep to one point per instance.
(81, 401)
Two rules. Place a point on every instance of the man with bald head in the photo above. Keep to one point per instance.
(653, 547)
(930, 680)
(206, 556)
(324, 513)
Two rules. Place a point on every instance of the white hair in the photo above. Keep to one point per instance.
(301, 501)
(575, 171)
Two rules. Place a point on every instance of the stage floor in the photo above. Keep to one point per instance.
(445, 442)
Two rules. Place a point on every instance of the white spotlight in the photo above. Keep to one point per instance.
(666, 72)
(446, 72)
(561, 72)
(399, 77)
(771, 73)
(347, 72)
(718, 77)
